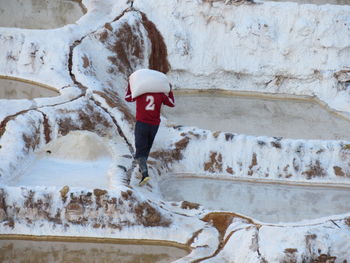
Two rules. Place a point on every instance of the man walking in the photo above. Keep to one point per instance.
(148, 106)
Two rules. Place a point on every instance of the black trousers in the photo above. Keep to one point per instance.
(144, 137)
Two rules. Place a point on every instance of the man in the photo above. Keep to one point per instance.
(148, 107)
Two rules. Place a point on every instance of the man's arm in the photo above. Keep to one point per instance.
(128, 96)
(169, 99)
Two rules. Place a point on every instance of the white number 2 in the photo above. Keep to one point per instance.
(150, 100)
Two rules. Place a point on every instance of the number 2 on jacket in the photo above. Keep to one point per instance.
(150, 101)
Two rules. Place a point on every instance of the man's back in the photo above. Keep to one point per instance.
(148, 105)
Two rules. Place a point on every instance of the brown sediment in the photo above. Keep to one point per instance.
(214, 164)
(74, 212)
(290, 250)
(216, 134)
(347, 221)
(113, 100)
(253, 163)
(103, 36)
(346, 147)
(89, 120)
(128, 195)
(3, 214)
(10, 223)
(108, 26)
(128, 116)
(229, 170)
(47, 130)
(343, 76)
(99, 193)
(290, 255)
(169, 156)
(128, 48)
(70, 65)
(229, 136)
(339, 171)
(189, 205)
(40, 209)
(196, 135)
(276, 144)
(182, 144)
(315, 170)
(323, 258)
(221, 221)
(7, 119)
(309, 240)
(86, 61)
(64, 191)
(194, 236)
(148, 216)
(159, 55)
(31, 141)
(285, 172)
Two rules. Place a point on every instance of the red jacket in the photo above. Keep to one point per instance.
(148, 105)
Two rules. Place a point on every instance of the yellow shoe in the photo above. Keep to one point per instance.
(144, 180)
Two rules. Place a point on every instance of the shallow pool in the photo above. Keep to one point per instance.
(255, 115)
(50, 251)
(266, 202)
(78, 159)
(14, 89)
(39, 14)
(317, 2)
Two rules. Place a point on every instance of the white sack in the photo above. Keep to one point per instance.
(148, 80)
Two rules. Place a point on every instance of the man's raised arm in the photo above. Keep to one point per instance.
(169, 99)
(128, 96)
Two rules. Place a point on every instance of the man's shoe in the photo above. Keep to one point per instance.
(144, 180)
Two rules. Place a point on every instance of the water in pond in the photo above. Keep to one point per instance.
(317, 2)
(270, 203)
(13, 89)
(39, 14)
(252, 115)
(46, 251)
(80, 158)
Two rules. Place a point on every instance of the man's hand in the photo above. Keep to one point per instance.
(171, 89)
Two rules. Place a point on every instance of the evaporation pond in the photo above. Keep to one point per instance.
(49, 251)
(258, 116)
(78, 159)
(39, 14)
(266, 202)
(317, 2)
(14, 89)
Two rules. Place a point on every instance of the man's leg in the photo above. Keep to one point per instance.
(141, 140)
(142, 162)
(141, 145)
(153, 129)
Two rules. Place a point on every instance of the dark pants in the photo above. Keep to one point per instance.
(144, 137)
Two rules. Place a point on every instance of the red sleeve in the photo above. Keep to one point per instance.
(128, 96)
(169, 100)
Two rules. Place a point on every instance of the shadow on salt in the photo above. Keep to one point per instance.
(39, 14)
(79, 159)
(266, 202)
